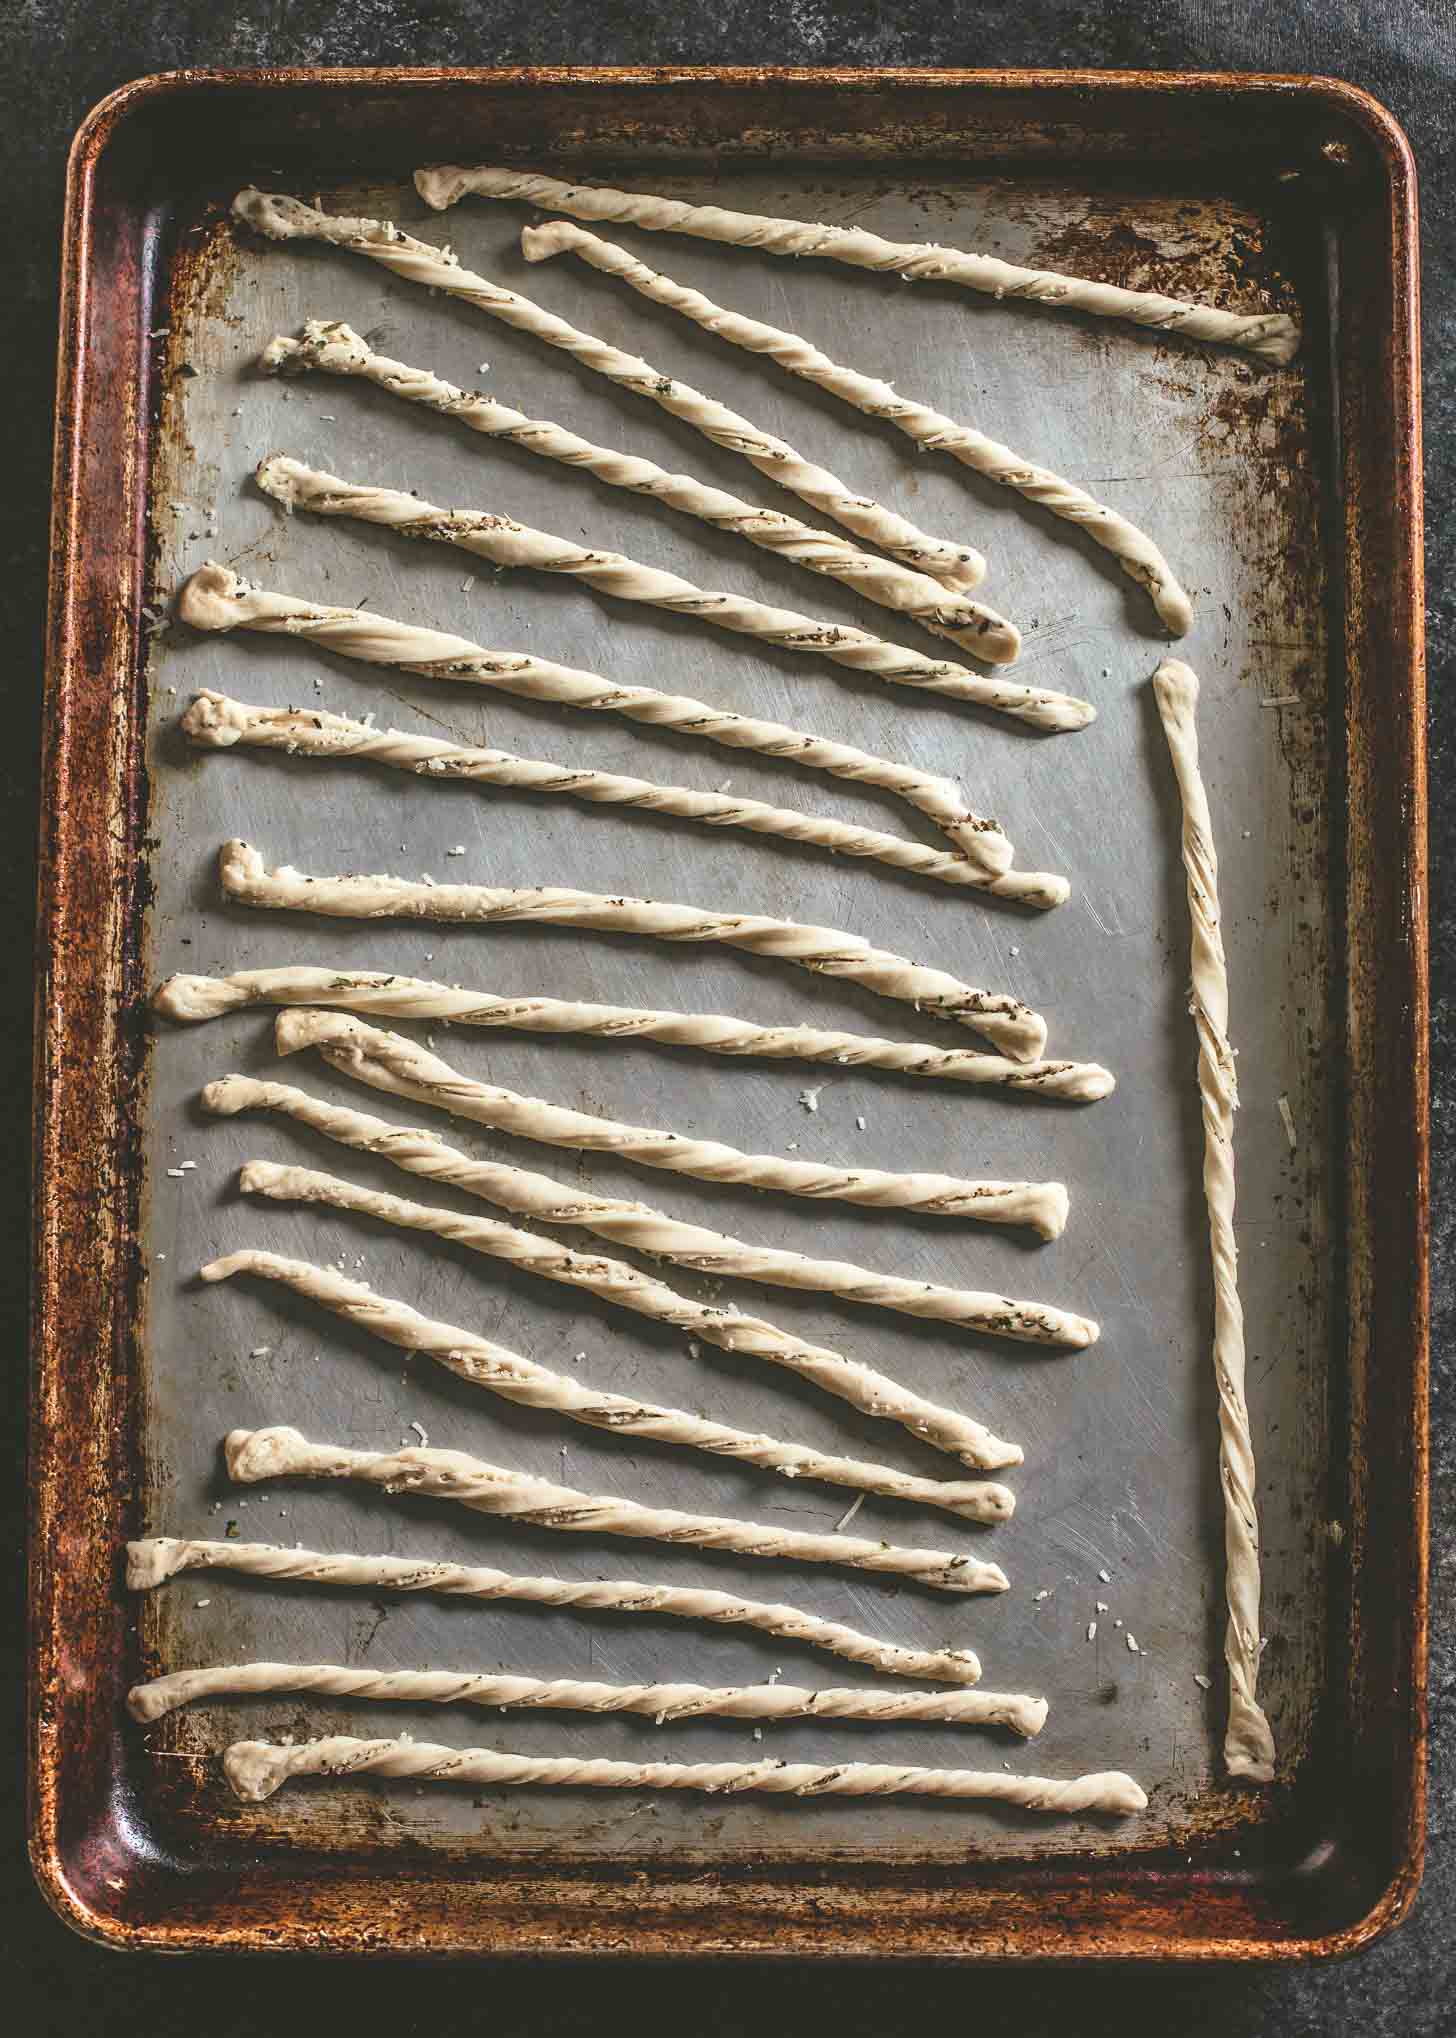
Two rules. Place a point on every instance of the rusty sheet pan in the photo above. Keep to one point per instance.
(1288, 501)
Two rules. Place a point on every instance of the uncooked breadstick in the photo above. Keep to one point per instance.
(286, 219)
(1270, 334)
(828, 951)
(269, 1454)
(339, 350)
(390, 1062)
(486, 1364)
(149, 1563)
(387, 995)
(931, 430)
(255, 1769)
(216, 599)
(1248, 1744)
(217, 722)
(648, 1231)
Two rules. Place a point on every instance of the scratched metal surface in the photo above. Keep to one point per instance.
(1218, 459)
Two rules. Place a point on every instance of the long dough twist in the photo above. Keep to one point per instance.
(633, 1224)
(385, 994)
(931, 430)
(268, 1454)
(660, 1702)
(286, 219)
(1271, 334)
(339, 350)
(486, 1364)
(150, 1562)
(216, 599)
(827, 951)
(255, 1769)
(1249, 1742)
(215, 721)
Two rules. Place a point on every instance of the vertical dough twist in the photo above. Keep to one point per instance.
(286, 219)
(269, 1454)
(486, 1364)
(931, 430)
(827, 951)
(255, 1769)
(1249, 1743)
(152, 1561)
(1270, 334)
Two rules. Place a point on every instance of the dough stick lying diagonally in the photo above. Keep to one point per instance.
(827, 951)
(1271, 334)
(660, 1702)
(216, 599)
(263, 1455)
(486, 1364)
(390, 1062)
(255, 1769)
(646, 1230)
(338, 350)
(286, 219)
(385, 994)
(1138, 556)
(151, 1562)
(216, 722)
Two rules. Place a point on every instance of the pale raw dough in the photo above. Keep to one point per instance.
(1271, 334)
(384, 994)
(931, 430)
(265, 1455)
(828, 951)
(255, 1769)
(486, 1364)
(1249, 1742)
(152, 1561)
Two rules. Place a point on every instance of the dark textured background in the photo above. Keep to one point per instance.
(59, 57)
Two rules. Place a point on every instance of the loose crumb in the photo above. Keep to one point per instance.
(1133, 1644)
(175, 1173)
(1203, 1683)
(458, 850)
(860, 1123)
(1091, 1630)
(810, 1098)
(1288, 1117)
(260, 1352)
(1102, 1606)
(200, 1603)
(419, 1430)
(1105, 1576)
(849, 1514)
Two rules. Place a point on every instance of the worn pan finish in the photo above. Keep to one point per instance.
(1338, 1860)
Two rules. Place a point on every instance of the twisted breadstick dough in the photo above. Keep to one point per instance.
(338, 350)
(1270, 334)
(1249, 1743)
(255, 1769)
(216, 599)
(387, 1061)
(1012, 1026)
(661, 1702)
(648, 1231)
(217, 722)
(1138, 556)
(390, 996)
(151, 1562)
(286, 219)
(489, 1365)
(269, 1454)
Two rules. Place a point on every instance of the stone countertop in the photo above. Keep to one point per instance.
(61, 57)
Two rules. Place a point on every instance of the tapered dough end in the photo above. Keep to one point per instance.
(207, 599)
(281, 354)
(998, 644)
(1093, 1083)
(254, 1770)
(278, 476)
(272, 213)
(194, 998)
(540, 243)
(1045, 889)
(1110, 1790)
(1281, 340)
(991, 1502)
(1248, 1747)
(1175, 610)
(1176, 686)
(993, 1578)
(1060, 715)
(442, 186)
(228, 1265)
(256, 1454)
(993, 1455)
(239, 868)
(146, 1702)
(1083, 1332)
(213, 720)
(257, 1178)
(225, 1096)
(1031, 1717)
(1024, 1038)
(302, 1026)
(1053, 1208)
(152, 1562)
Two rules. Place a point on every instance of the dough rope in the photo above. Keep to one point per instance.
(384, 994)
(486, 1364)
(286, 219)
(215, 721)
(827, 951)
(1249, 1742)
(216, 599)
(255, 1769)
(660, 1702)
(338, 350)
(155, 1559)
(931, 430)
(402, 1068)
(1273, 335)
(269, 1454)
(628, 1223)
